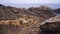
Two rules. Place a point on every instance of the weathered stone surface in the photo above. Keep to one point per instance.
(51, 26)
(23, 21)
(7, 12)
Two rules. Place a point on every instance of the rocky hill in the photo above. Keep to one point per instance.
(7, 12)
(23, 21)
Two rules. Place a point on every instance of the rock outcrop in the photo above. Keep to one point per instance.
(7, 12)
(23, 21)
(51, 26)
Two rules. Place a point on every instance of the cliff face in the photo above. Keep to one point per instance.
(23, 21)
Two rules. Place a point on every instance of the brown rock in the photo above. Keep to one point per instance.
(10, 17)
(51, 26)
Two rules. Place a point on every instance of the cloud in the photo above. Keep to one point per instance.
(29, 1)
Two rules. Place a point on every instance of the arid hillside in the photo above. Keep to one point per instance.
(23, 21)
(50, 26)
(7, 12)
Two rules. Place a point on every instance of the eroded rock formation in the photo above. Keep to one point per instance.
(23, 21)
(51, 26)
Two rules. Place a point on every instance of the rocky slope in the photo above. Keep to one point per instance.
(51, 26)
(23, 21)
(7, 12)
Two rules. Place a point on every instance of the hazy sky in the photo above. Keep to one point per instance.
(29, 1)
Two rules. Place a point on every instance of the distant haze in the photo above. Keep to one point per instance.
(33, 5)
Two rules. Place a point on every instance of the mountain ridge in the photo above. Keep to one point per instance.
(23, 21)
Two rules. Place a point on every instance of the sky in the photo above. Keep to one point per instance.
(28, 1)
